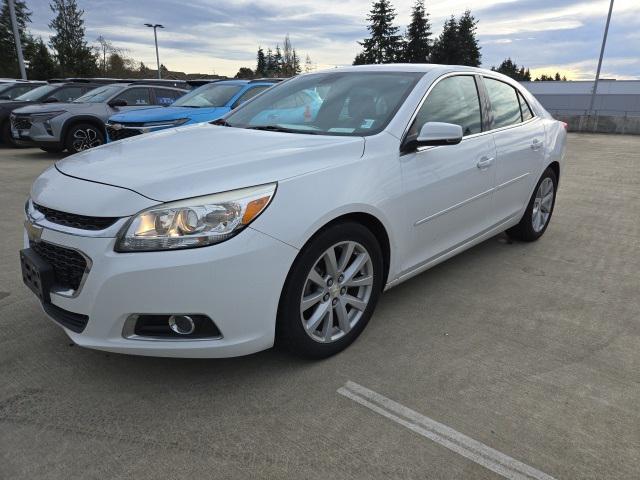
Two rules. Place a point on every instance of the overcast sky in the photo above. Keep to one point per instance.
(219, 36)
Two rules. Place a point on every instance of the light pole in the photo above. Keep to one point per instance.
(604, 42)
(155, 37)
(16, 35)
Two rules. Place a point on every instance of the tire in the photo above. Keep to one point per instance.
(7, 139)
(52, 149)
(83, 136)
(333, 293)
(535, 220)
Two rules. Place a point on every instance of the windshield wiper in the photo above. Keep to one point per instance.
(278, 128)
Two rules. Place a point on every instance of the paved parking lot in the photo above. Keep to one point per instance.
(530, 349)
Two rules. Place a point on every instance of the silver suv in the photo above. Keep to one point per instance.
(79, 125)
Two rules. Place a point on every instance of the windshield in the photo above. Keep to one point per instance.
(211, 95)
(37, 93)
(99, 95)
(340, 103)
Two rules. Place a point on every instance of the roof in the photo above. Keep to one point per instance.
(408, 67)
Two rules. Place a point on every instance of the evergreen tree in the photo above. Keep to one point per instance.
(445, 49)
(468, 44)
(9, 57)
(417, 41)
(143, 70)
(261, 65)
(269, 63)
(308, 65)
(384, 45)
(295, 63)
(277, 62)
(41, 63)
(68, 42)
(510, 68)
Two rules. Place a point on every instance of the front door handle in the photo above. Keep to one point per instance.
(485, 162)
(536, 144)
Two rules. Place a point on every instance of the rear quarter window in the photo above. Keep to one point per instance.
(505, 104)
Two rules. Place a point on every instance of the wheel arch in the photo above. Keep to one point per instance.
(97, 122)
(555, 166)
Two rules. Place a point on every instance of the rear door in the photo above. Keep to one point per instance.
(519, 137)
(448, 189)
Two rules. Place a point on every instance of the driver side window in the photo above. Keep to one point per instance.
(453, 100)
(135, 96)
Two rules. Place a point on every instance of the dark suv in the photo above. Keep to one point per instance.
(53, 92)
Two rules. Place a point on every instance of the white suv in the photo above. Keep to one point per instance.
(284, 222)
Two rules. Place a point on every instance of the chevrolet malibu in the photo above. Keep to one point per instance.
(224, 239)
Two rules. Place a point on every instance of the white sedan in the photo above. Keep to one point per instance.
(284, 221)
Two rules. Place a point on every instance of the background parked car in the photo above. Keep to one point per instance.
(79, 125)
(11, 90)
(53, 92)
(205, 103)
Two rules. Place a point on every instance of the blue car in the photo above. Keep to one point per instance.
(204, 104)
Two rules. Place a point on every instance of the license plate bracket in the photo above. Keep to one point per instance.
(37, 274)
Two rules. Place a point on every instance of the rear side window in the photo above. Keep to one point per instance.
(67, 94)
(249, 94)
(164, 96)
(524, 108)
(453, 100)
(16, 91)
(505, 104)
(135, 96)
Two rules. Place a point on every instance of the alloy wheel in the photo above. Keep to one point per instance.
(85, 138)
(542, 205)
(337, 291)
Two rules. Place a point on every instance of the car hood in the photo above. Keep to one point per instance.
(160, 114)
(55, 107)
(12, 104)
(202, 159)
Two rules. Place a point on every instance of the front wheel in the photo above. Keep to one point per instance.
(331, 291)
(536, 217)
(83, 137)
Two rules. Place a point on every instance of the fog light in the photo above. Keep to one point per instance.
(181, 324)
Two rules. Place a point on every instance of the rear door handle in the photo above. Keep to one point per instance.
(485, 162)
(536, 144)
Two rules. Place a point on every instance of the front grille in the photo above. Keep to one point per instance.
(82, 222)
(121, 133)
(21, 123)
(68, 265)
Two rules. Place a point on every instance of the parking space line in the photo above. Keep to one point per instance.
(449, 438)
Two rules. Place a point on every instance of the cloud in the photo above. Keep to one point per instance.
(207, 35)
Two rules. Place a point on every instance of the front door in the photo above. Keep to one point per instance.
(448, 189)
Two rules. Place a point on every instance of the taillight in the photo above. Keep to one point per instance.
(565, 125)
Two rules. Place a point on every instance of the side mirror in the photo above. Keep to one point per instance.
(118, 102)
(438, 133)
(51, 100)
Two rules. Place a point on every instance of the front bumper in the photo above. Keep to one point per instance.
(236, 283)
(27, 133)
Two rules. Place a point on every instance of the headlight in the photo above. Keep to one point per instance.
(43, 117)
(166, 123)
(196, 222)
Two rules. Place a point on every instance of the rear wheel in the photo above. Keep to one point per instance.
(536, 217)
(331, 291)
(83, 136)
